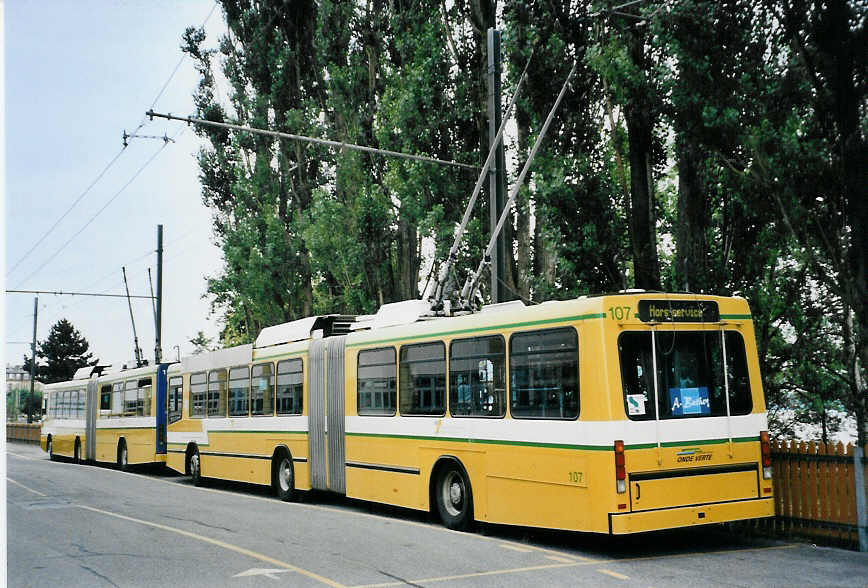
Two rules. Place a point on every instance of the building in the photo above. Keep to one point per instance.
(17, 388)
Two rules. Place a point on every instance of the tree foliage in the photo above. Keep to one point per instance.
(64, 351)
(705, 146)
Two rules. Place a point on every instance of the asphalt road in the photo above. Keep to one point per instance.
(80, 525)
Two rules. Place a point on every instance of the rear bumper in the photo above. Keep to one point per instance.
(687, 516)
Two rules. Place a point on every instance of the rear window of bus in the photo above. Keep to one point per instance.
(690, 374)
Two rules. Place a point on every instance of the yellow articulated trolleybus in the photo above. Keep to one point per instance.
(108, 416)
(613, 414)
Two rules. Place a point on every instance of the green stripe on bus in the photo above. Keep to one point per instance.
(666, 444)
(736, 317)
(555, 445)
(693, 442)
(566, 319)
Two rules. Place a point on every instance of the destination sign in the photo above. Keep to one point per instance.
(678, 311)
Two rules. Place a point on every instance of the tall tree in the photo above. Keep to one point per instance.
(808, 156)
(64, 351)
(626, 58)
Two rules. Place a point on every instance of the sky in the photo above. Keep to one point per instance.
(77, 74)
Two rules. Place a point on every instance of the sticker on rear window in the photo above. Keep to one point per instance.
(689, 401)
(635, 404)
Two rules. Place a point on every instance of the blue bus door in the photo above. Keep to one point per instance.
(162, 405)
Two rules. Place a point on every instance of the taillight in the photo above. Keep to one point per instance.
(620, 470)
(766, 451)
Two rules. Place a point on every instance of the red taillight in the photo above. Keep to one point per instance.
(620, 470)
(766, 452)
(766, 449)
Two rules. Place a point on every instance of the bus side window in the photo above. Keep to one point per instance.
(477, 377)
(544, 374)
(198, 391)
(376, 382)
(423, 379)
(131, 397)
(216, 393)
(239, 391)
(117, 399)
(290, 386)
(262, 389)
(143, 397)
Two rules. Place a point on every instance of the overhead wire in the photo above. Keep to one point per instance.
(68, 210)
(144, 120)
(57, 306)
(52, 307)
(94, 217)
(99, 176)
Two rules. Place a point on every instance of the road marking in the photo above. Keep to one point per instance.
(479, 574)
(699, 553)
(560, 559)
(268, 573)
(574, 564)
(37, 492)
(218, 543)
(516, 547)
(613, 574)
(344, 512)
(582, 560)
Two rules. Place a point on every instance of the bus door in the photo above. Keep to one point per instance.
(326, 414)
(92, 410)
(161, 405)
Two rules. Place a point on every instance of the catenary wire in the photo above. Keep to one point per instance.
(68, 210)
(111, 163)
(55, 304)
(92, 218)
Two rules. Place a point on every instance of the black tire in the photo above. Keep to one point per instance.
(76, 453)
(454, 497)
(123, 456)
(283, 477)
(50, 449)
(195, 467)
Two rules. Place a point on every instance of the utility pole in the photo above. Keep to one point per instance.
(497, 171)
(32, 362)
(158, 327)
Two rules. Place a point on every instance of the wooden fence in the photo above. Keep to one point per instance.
(23, 432)
(815, 493)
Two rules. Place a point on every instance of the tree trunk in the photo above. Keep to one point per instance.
(691, 233)
(640, 125)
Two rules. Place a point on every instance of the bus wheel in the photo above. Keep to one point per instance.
(50, 450)
(283, 477)
(76, 454)
(454, 498)
(123, 457)
(196, 468)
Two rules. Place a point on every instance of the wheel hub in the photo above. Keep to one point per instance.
(455, 494)
(285, 475)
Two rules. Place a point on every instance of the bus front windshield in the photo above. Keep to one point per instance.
(690, 374)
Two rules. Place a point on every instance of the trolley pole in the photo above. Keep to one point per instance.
(158, 345)
(497, 171)
(32, 362)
